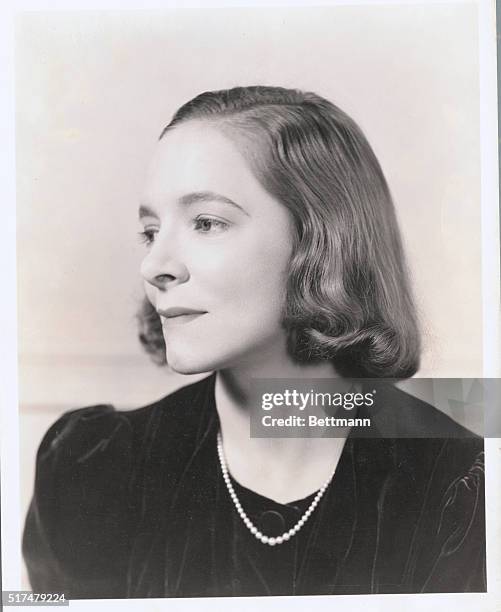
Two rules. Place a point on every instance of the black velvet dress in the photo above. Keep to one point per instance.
(133, 504)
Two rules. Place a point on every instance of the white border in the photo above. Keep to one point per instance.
(11, 521)
(489, 190)
(9, 422)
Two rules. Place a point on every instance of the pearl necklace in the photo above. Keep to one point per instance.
(248, 523)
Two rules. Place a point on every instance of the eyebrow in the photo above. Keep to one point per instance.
(146, 211)
(193, 198)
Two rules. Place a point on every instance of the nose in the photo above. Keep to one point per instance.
(161, 268)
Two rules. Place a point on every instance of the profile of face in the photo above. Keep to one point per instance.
(218, 248)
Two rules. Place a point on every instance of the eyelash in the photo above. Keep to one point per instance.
(147, 236)
(222, 225)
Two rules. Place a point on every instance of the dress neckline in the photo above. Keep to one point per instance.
(243, 491)
(258, 499)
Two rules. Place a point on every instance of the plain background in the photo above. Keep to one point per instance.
(93, 91)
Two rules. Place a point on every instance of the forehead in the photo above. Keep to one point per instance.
(196, 156)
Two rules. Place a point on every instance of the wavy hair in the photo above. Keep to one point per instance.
(348, 294)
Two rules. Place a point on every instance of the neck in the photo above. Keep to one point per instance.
(235, 384)
(266, 464)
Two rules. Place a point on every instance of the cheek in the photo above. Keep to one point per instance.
(254, 279)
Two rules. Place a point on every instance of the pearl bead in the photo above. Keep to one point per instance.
(248, 523)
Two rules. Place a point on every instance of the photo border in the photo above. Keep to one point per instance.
(10, 519)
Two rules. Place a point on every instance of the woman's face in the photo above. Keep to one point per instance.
(218, 252)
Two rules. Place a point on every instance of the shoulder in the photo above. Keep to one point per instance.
(397, 413)
(84, 435)
(90, 488)
(434, 490)
(422, 440)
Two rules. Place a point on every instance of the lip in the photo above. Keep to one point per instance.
(178, 311)
(178, 315)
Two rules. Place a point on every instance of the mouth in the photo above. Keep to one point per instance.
(178, 315)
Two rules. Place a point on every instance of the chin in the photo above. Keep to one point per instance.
(187, 370)
(183, 363)
(197, 357)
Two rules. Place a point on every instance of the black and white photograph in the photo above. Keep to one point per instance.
(221, 203)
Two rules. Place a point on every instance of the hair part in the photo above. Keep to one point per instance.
(348, 292)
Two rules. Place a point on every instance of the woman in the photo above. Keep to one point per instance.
(273, 251)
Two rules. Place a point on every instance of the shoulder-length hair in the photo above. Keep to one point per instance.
(348, 294)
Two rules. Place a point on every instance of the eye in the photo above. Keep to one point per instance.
(147, 236)
(210, 225)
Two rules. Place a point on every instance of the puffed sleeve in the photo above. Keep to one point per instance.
(454, 556)
(77, 532)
